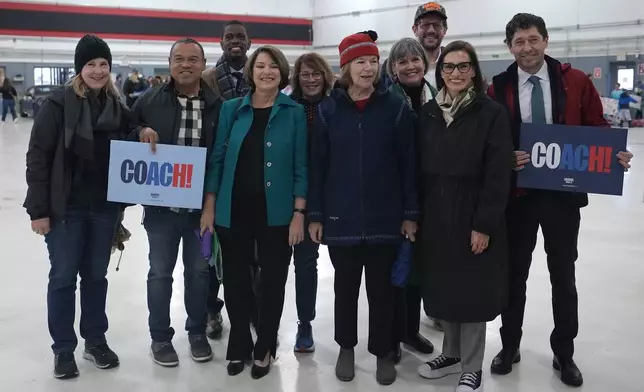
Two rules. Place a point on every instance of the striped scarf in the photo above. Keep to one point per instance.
(451, 106)
(227, 87)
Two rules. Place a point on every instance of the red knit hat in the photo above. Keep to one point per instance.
(357, 45)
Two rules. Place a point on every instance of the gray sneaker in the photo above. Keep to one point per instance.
(200, 349)
(163, 354)
(345, 367)
(386, 370)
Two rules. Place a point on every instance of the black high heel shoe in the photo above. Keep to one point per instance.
(257, 372)
(234, 368)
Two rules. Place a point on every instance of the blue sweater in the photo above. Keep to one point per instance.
(362, 180)
(625, 100)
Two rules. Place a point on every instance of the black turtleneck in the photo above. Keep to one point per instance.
(415, 93)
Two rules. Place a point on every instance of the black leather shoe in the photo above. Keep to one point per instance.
(234, 368)
(257, 372)
(570, 373)
(502, 363)
(420, 344)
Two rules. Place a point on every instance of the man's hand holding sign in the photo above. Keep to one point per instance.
(149, 135)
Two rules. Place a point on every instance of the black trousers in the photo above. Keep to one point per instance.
(407, 312)
(377, 261)
(274, 257)
(559, 221)
(216, 304)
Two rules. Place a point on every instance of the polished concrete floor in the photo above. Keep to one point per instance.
(609, 348)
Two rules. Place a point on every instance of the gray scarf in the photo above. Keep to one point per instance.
(79, 125)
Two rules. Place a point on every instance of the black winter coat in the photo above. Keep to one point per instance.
(160, 110)
(466, 171)
(50, 166)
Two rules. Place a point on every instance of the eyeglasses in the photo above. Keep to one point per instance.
(190, 60)
(316, 75)
(449, 68)
(438, 26)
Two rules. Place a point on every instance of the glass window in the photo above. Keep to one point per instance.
(626, 78)
(52, 75)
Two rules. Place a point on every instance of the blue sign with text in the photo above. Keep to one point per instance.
(572, 158)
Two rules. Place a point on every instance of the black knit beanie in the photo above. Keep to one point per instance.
(91, 47)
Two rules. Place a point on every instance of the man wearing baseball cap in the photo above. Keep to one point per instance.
(430, 26)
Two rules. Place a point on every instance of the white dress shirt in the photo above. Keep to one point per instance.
(525, 94)
(430, 75)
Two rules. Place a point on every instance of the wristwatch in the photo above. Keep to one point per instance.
(300, 210)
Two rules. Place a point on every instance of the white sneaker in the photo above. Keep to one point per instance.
(440, 367)
(16, 121)
(471, 382)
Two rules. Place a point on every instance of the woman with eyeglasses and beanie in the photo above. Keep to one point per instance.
(406, 66)
(464, 240)
(311, 81)
(67, 173)
(257, 184)
(362, 198)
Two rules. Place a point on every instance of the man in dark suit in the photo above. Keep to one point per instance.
(539, 89)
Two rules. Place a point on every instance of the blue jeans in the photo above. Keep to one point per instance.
(165, 230)
(305, 258)
(79, 245)
(8, 105)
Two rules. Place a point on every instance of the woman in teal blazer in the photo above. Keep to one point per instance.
(257, 184)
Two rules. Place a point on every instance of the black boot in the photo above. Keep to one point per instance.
(570, 373)
(502, 363)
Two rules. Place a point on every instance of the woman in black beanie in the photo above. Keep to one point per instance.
(67, 170)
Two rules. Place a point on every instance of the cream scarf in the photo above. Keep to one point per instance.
(451, 106)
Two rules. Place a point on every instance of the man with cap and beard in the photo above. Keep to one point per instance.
(430, 27)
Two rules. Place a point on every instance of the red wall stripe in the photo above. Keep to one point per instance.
(149, 13)
(141, 37)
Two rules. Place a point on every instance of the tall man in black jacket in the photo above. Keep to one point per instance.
(183, 112)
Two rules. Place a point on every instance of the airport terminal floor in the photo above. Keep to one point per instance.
(609, 349)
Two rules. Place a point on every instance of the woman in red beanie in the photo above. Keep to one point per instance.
(362, 198)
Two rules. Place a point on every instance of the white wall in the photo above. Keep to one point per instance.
(577, 27)
(124, 52)
(284, 8)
